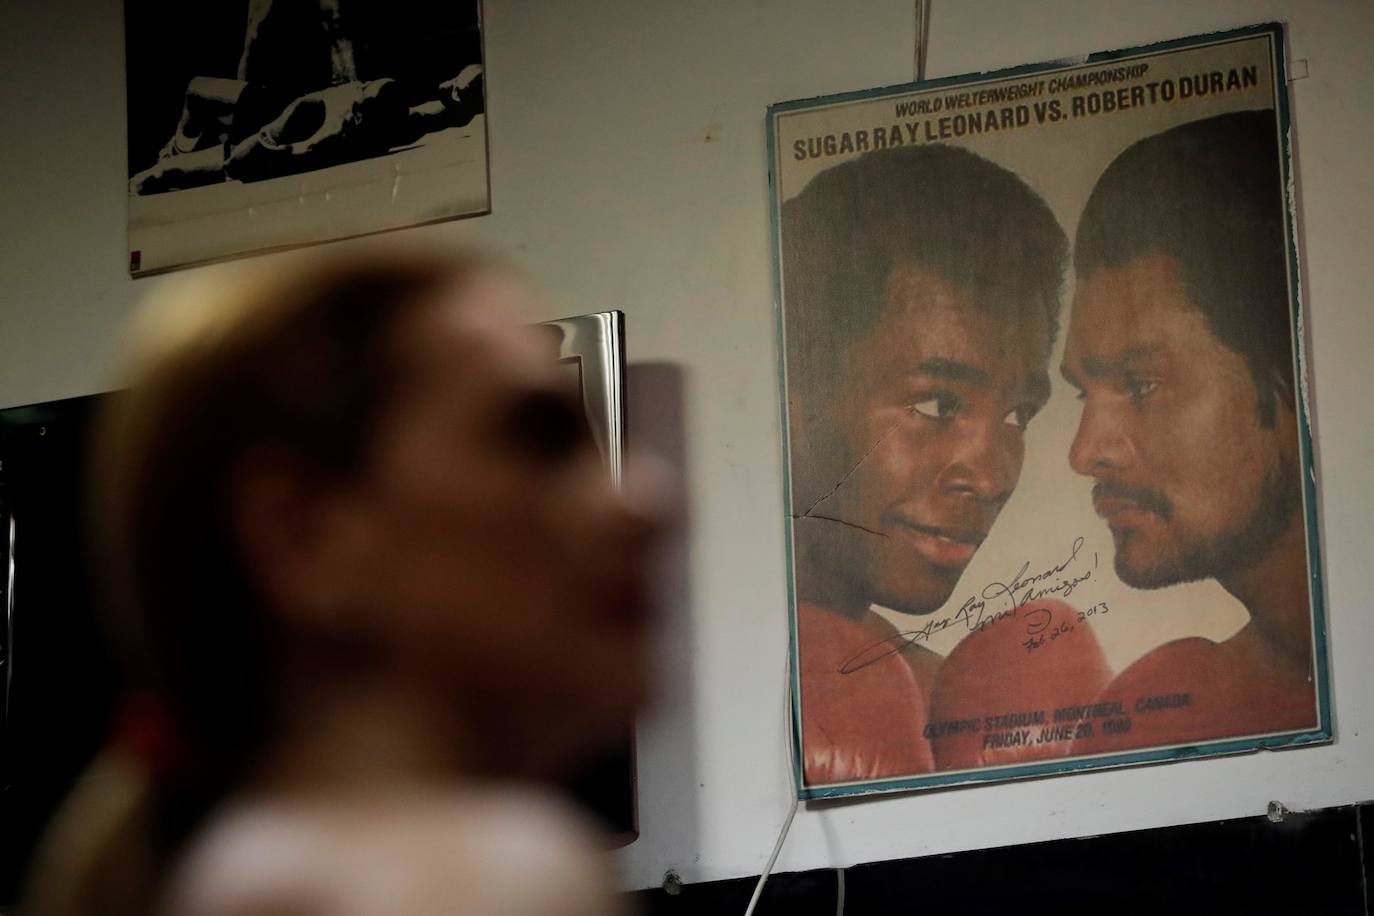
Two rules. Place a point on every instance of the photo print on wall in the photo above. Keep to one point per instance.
(263, 124)
(1051, 503)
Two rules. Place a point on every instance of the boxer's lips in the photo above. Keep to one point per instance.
(1122, 512)
(940, 546)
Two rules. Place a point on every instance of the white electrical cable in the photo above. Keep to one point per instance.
(777, 848)
(796, 789)
(839, 892)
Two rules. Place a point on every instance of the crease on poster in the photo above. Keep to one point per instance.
(1300, 312)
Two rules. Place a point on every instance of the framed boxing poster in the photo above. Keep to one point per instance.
(264, 124)
(1050, 495)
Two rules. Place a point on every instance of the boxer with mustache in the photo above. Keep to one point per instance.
(1180, 347)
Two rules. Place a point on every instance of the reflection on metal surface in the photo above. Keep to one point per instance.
(593, 347)
(596, 342)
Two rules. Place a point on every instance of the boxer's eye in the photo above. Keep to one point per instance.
(1139, 388)
(939, 406)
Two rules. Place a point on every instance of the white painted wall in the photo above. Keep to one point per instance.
(628, 170)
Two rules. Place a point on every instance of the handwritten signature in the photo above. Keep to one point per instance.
(996, 601)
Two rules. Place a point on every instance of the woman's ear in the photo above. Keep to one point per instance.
(295, 536)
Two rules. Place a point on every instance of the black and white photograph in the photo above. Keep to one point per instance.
(263, 124)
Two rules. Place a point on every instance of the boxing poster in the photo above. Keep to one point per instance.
(1049, 486)
(264, 124)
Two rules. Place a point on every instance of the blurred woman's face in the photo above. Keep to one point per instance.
(489, 539)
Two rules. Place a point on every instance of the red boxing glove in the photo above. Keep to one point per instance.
(996, 697)
(860, 721)
(1193, 690)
